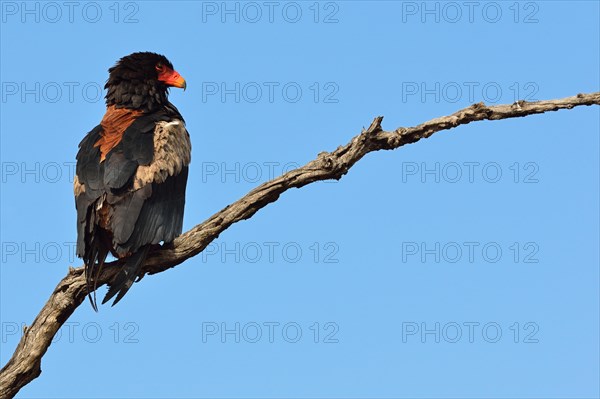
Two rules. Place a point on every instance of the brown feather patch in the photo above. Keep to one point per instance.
(114, 123)
(78, 187)
(172, 152)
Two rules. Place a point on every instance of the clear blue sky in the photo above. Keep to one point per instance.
(466, 265)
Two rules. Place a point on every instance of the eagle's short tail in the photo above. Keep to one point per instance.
(94, 261)
(129, 271)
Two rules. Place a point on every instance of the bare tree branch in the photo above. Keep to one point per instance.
(25, 364)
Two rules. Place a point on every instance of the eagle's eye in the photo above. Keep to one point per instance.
(160, 67)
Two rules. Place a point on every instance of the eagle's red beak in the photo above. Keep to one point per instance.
(172, 78)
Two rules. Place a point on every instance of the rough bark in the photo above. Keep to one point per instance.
(25, 364)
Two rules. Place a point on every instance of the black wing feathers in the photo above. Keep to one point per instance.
(162, 213)
(88, 169)
(126, 212)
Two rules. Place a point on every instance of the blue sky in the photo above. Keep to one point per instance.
(466, 265)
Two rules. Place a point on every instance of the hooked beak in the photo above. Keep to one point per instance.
(172, 78)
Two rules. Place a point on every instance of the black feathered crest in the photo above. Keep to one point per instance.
(133, 82)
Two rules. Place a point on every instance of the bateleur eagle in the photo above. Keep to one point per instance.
(131, 172)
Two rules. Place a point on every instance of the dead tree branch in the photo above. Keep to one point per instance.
(25, 364)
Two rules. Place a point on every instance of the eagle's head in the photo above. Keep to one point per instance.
(140, 81)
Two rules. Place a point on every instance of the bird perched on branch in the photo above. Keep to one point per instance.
(131, 172)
